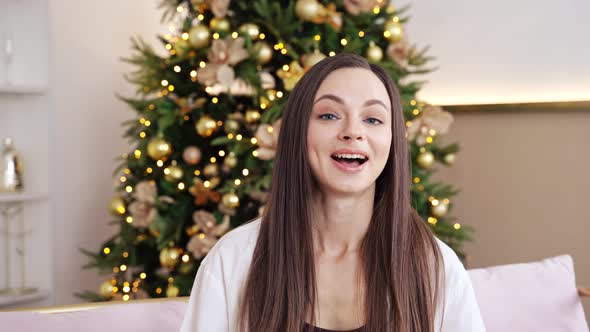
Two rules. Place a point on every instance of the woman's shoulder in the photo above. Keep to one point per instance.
(455, 272)
(237, 244)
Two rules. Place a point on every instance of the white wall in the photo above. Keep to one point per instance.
(504, 50)
(86, 42)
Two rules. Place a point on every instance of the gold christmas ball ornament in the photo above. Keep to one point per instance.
(230, 161)
(211, 170)
(173, 173)
(172, 291)
(230, 200)
(117, 206)
(181, 47)
(219, 24)
(251, 30)
(159, 148)
(206, 126)
(231, 126)
(106, 289)
(425, 160)
(169, 257)
(252, 116)
(199, 36)
(393, 31)
(440, 210)
(309, 60)
(186, 267)
(374, 53)
(263, 52)
(309, 10)
(449, 158)
(191, 155)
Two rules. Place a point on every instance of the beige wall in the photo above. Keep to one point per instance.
(524, 178)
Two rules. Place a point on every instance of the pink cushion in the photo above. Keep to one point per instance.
(145, 317)
(537, 296)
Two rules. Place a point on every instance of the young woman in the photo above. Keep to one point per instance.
(339, 247)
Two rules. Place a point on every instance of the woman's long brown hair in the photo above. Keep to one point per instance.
(401, 260)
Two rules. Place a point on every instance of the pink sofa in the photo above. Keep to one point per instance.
(537, 296)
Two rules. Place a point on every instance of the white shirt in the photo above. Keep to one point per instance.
(213, 304)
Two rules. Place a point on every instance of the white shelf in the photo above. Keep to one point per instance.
(22, 197)
(14, 299)
(22, 89)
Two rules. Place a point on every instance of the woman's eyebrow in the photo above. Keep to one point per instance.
(339, 100)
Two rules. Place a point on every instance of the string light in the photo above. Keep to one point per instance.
(457, 226)
(245, 172)
(171, 88)
(234, 35)
(200, 17)
(184, 36)
(332, 53)
(216, 36)
(125, 254)
(147, 123)
(197, 172)
(142, 134)
(238, 137)
(429, 139)
(137, 154)
(126, 297)
(230, 136)
(221, 153)
(127, 171)
(255, 153)
(123, 179)
(237, 182)
(149, 170)
(164, 83)
(193, 73)
(158, 290)
(376, 10)
(160, 163)
(416, 180)
(123, 267)
(317, 37)
(185, 258)
(361, 34)
(253, 140)
(129, 219)
(143, 275)
(168, 47)
(286, 67)
(202, 64)
(106, 250)
(116, 270)
(343, 41)
(213, 159)
(262, 36)
(214, 100)
(416, 111)
(181, 185)
(128, 189)
(284, 51)
(432, 220)
(280, 94)
(177, 69)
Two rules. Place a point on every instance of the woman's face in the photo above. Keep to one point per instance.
(349, 133)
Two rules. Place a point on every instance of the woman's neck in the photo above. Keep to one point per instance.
(340, 222)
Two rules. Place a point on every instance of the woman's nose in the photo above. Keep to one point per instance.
(352, 130)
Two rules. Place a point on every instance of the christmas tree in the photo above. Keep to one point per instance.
(208, 114)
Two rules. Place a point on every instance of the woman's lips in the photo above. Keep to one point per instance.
(350, 168)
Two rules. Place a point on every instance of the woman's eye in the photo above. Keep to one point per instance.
(327, 116)
(374, 121)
